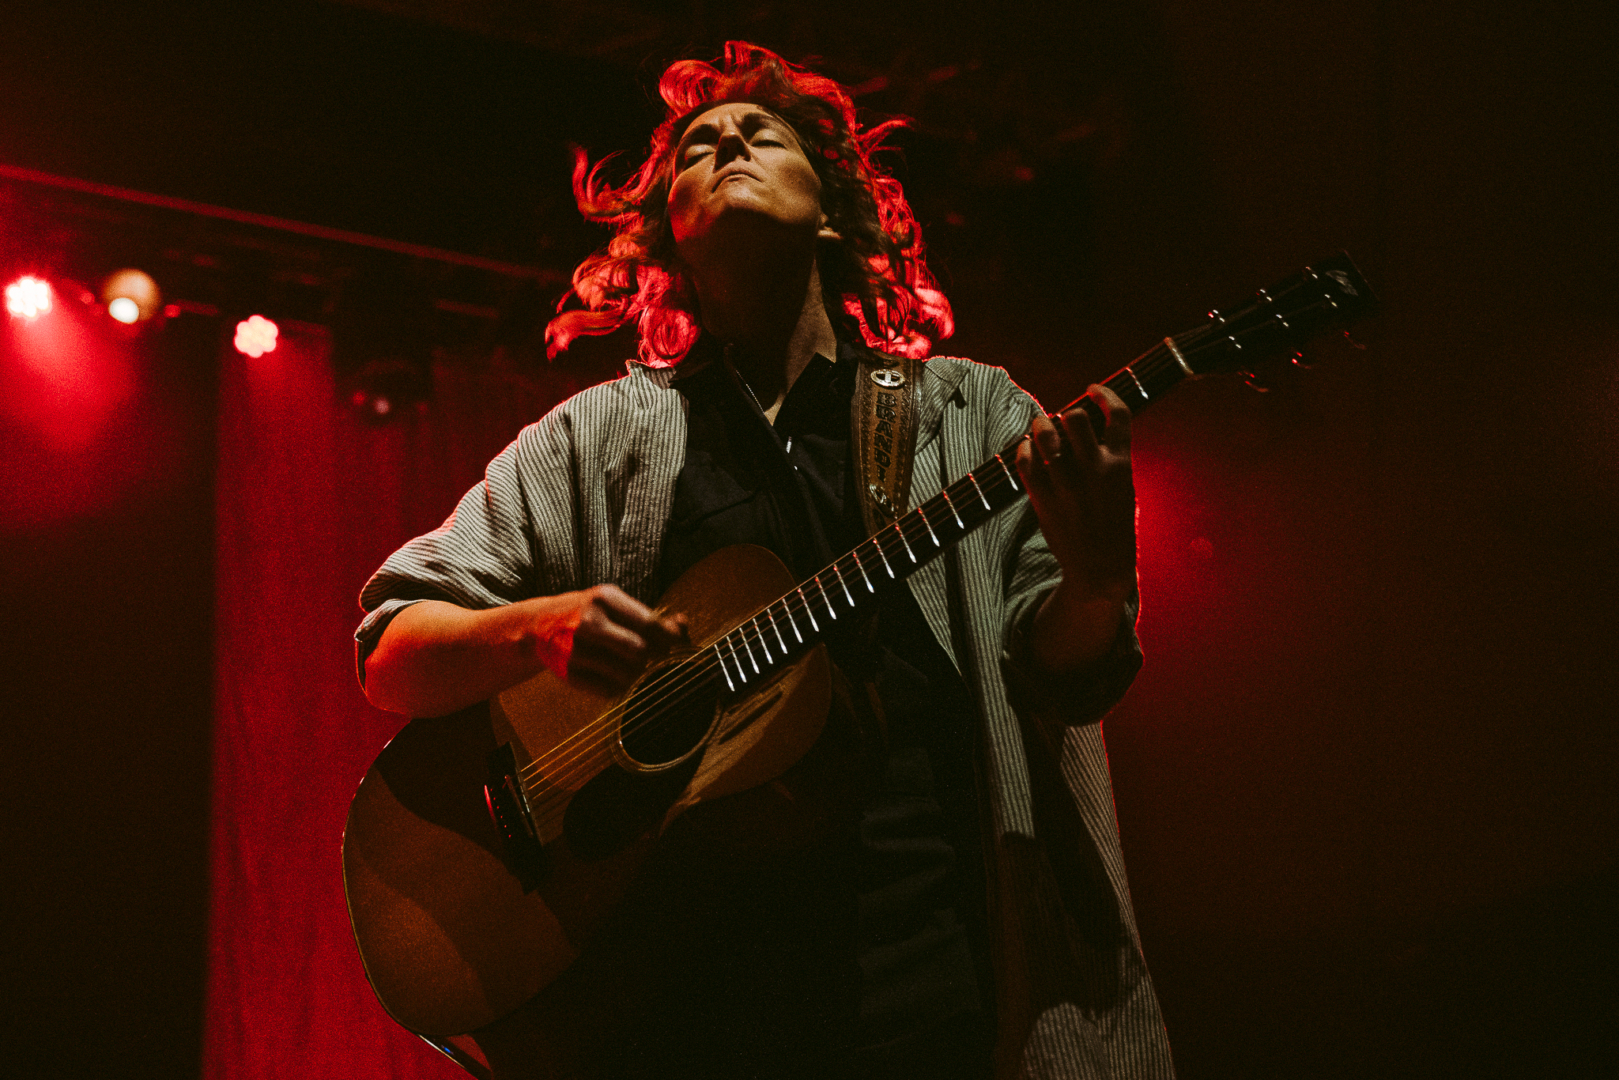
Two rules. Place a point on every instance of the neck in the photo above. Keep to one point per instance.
(772, 322)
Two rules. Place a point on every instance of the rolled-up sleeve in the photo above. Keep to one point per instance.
(1030, 571)
(483, 556)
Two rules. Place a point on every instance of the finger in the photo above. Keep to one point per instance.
(606, 666)
(1047, 440)
(1076, 452)
(619, 605)
(597, 632)
(1030, 465)
(1116, 436)
(675, 629)
(666, 631)
(1053, 450)
(1084, 453)
(626, 611)
(655, 633)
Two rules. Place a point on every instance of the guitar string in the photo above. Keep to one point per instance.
(1158, 360)
(651, 700)
(651, 710)
(652, 717)
(561, 769)
(673, 686)
(649, 696)
(647, 705)
(700, 667)
(650, 714)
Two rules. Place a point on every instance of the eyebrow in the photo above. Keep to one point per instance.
(757, 117)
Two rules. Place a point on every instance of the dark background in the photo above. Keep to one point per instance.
(1365, 784)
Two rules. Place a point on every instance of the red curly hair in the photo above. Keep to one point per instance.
(877, 269)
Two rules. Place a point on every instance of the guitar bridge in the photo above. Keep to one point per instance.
(525, 855)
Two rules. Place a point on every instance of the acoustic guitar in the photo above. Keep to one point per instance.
(483, 849)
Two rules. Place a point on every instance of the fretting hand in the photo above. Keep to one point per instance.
(1084, 496)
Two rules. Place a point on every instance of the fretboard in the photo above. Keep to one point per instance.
(848, 588)
(1275, 320)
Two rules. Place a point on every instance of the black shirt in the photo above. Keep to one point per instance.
(863, 953)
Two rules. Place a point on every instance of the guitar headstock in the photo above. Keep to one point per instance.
(1279, 320)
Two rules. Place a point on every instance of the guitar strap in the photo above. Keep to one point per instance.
(887, 399)
(885, 405)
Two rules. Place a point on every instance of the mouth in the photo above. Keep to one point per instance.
(735, 174)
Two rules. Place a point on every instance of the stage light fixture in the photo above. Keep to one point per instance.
(28, 297)
(131, 296)
(256, 336)
(390, 389)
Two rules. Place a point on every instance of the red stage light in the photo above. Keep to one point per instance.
(28, 297)
(256, 336)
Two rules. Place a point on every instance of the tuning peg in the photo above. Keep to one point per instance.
(1252, 382)
(1298, 362)
(1353, 343)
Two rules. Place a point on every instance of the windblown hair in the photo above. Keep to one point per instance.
(875, 276)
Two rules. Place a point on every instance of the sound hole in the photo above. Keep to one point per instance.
(667, 716)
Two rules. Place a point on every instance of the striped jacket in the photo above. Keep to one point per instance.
(582, 497)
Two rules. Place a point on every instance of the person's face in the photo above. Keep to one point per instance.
(738, 162)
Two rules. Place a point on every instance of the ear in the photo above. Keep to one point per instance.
(827, 232)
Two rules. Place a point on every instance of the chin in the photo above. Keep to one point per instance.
(748, 220)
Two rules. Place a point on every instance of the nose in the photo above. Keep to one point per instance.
(730, 146)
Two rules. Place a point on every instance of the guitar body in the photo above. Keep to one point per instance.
(457, 925)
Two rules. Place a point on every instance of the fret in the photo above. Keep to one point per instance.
(1174, 350)
(827, 600)
(1158, 370)
(922, 512)
(876, 543)
(904, 541)
(813, 624)
(980, 491)
(836, 570)
(1010, 478)
(862, 568)
(729, 685)
(1309, 300)
(779, 639)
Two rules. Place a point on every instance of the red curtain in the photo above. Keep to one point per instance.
(310, 499)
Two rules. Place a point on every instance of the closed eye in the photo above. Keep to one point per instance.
(695, 152)
(702, 140)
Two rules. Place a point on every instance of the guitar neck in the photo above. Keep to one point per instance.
(1278, 319)
(850, 586)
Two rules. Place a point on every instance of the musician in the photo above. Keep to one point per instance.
(956, 905)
